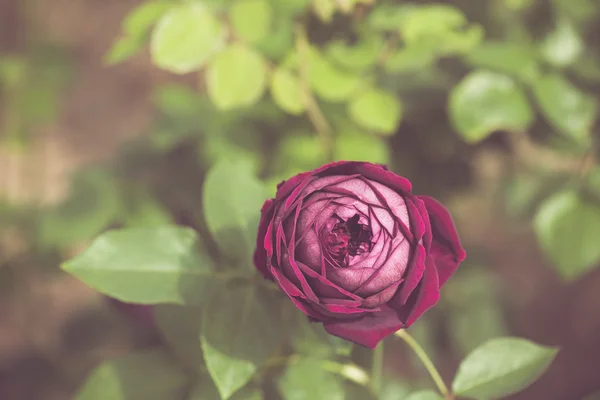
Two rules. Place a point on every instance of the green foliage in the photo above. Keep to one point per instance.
(567, 227)
(330, 82)
(231, 197)
(145, 375)
(236, 77)
(424, 395)
(136, 26)
(286, 90)
(145, 266)
(377, 110)
(180, 327)
(562, 46)
(93, 204)
(571, 111)
(511, 58)
(186, 37)
(484, 102)
(354, 80)
(251, 19)
(234, 339)
(306, 380)
(501, 367)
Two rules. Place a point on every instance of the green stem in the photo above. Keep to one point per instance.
(435, 375)
(377, 369)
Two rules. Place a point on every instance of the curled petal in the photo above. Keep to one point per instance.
(260, 253)
(369, 330)
(446, 251)
(425, 296)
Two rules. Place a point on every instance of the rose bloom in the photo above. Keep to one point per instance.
(354, 249)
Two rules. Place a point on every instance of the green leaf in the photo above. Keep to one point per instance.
(236, 77)
(563, 46)
(376, 110)
(388, 17)
(135, 27)
(512, 58)
(206, 390)
(176, 100)
(567, 108)
(221, 147)
(287, 91)
(474, 309)
(412, 59)
(145, 266)
(356, 145)
(330, 82)
(145, 375)
(307, 380)
(251, 19)
(291, 8)
(299, 151)
(93, 204)
(394, 390)
(123, 48)
(593, 181)
(362, 55)
(568, 229)
(185, 38)
(232, 201)
(147, 212)
(484, 102)
(139, 20)
(424, 395)
(526, 190)
(440, 27)
(234, 339)
(180, 327)
(278, 43)
(501, 367)
(248, 394)
(310, 338)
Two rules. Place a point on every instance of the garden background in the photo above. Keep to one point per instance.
(491, 106)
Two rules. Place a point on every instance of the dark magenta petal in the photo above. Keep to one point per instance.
(425, 296)
(414, 274)
(369, 330)
(260, 254)
(446, 250)
(382, 175)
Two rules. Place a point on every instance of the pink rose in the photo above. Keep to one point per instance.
(355, 250)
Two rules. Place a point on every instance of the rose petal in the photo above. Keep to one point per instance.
(383, 176)
(446, 250)
(260, 253)
(369, 330)
(425, 296)
(414, 273)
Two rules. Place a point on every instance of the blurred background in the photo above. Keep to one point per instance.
(489, 106)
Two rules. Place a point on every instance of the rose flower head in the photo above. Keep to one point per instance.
(355, 250)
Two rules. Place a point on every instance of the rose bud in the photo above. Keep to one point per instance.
(355, 250)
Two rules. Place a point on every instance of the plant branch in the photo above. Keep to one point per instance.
(377, 368)
(435, 375)
(315, 114)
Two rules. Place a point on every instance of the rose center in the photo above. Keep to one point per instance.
(349, 238)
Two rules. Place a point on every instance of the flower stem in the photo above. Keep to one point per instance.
(435, 375)
(377, 369)
(312, 107)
